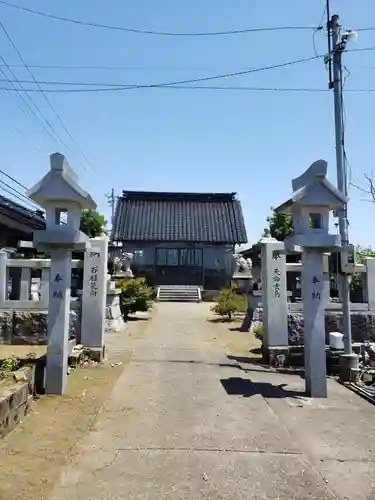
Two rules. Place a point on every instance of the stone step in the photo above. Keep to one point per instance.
(178, 293)
(178, 299)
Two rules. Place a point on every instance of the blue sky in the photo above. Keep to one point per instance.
(253, 143)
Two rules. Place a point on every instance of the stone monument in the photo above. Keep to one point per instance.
(312, 199)
(274, 297)
(94, 297)
(59, 193)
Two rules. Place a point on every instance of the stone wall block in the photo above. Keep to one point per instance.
(30, 327)
(363, 326)
(14, 402)
(6, 327)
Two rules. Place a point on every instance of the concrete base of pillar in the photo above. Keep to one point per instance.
(348, 366)
(276, 356)
(113, 317)
(95, 353)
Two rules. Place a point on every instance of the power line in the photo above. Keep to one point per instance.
(24, 136)
(220, 76)
(179, 84)
(152, 32)
(361, 49)
(34, 109)
(17, 195)
(14, 180)
(319, 27)
(188, 87)
(111, 68)
(23, 110)
(101, 86)
(17, 192)
(46, 99)
(371, 28)
(119, 86)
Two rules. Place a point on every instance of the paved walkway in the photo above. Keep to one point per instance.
(186, 422)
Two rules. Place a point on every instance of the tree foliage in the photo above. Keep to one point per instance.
(93, 223)
(228, 303)
(362, 253)
(135, 296)
(369, 190)
(279, 226)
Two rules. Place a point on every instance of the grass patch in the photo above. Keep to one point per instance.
(32, 455)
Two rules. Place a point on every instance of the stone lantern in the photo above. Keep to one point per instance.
(313, 198)
(63, 200)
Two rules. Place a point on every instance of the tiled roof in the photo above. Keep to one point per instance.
(33, 219)
(185, 217)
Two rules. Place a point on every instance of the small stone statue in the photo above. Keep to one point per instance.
(116, 264)
(111, 285)
(126, 260)
(119, 265)
(242, 265)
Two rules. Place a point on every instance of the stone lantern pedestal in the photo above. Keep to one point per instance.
(63, 200)
(312, 199)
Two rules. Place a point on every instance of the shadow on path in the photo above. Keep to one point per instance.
(136, 318)
(253, 360)
(236, 386)
(258, 362)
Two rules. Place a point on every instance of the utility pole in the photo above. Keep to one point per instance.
(339, 41)
(111, 202)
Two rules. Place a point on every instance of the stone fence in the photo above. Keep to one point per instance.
(24, 301)
(18, 290)
(25, 294)
(283, 318)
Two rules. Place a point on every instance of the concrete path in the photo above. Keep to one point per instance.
(186, 422)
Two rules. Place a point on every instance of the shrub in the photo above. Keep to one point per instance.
(8, 366)
(228, 303)
(93, 223)
(135, 296)
(259, 332)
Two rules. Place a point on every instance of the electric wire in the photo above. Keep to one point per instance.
(14, 180)
(187, 83)
(151, 32)
(29, 104)
(162, 33)
(192, 87)
(17, 194)
(213, 77)
(48, 101)
(319, 27)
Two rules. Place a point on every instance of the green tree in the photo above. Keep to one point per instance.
(362, 253)
(135, 296)
(228, 303)
(279, 226)
(93, 223)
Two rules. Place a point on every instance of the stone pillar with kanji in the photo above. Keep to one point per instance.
(274, 297)
(94, 296)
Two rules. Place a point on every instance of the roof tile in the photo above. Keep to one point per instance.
(192, 217)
